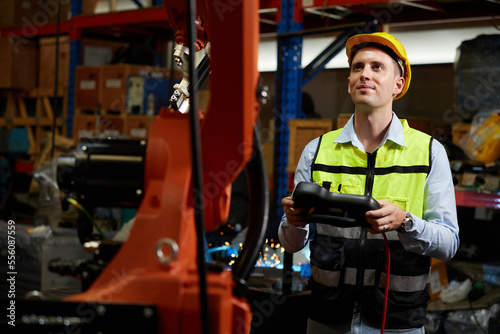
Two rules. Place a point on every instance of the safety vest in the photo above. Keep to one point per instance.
(348, 264)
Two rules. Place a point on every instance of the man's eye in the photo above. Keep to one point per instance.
(377, 67)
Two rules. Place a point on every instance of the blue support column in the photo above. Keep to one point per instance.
(288, 97)
(75, 52)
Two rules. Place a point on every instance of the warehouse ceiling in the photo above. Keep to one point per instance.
(320, 14)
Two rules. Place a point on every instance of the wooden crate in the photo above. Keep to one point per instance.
(47, 65)
(34, 110)
(45, 106)
(114, 84)
(138, 126)
(18, 64)
(87, 87)
(16, 111)
(302, 131)
(342, 120)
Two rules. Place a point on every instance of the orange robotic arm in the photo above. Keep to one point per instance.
(157, 264)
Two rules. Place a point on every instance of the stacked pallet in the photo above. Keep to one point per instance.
(25, 99)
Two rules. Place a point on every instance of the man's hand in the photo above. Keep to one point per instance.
(388, 218)
(294, 216)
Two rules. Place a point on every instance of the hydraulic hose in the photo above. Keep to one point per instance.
(387, 280)
(197, 171)
(258, 216)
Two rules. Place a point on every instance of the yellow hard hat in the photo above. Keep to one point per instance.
(384, 41)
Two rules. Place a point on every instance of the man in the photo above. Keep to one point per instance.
(407, 172)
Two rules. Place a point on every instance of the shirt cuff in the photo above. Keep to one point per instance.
(293, 238)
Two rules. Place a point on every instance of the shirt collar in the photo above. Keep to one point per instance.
(395, 133)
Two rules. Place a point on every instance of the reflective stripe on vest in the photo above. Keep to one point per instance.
(396, 283)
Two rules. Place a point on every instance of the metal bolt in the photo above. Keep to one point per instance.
(147, 312)
(101, 310)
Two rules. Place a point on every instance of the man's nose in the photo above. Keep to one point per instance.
(365, 73)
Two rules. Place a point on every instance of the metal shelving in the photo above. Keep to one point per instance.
(294, 20)
(474, 199)
(298, 19)
(113, 25)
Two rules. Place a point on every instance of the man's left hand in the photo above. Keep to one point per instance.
(388, 218)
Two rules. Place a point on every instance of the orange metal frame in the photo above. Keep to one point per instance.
(136, 275)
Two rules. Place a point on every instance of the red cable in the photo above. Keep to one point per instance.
(388, 253)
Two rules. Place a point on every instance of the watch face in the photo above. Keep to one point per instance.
(408, 224)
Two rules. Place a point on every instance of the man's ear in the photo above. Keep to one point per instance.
(399, 84)
(349, 85)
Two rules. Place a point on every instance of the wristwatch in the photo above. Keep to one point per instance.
(407, 224)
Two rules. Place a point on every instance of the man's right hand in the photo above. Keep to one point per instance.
(294, 216)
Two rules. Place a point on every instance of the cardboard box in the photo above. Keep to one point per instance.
(18, 64)
(87, 88)
(302, 131)
(138, 126)
(49, 8)
(439, 278)
(458, 130)
(30, 14)
(112, 126)
(47, 65)
(84, 126)
(87, 126)
(16, 13)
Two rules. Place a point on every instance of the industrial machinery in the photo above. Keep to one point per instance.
(13, 143)
(158, 281)
(102, 173)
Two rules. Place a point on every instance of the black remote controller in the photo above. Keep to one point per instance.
(342, 210)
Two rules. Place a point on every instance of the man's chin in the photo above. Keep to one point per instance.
(362, 101)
